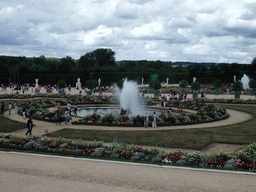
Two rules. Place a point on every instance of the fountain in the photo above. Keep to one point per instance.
(245, 80)
(129, 99)
(129, 102)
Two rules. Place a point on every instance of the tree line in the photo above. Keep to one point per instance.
(101, 63)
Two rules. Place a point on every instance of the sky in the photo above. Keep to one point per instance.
(167, 30)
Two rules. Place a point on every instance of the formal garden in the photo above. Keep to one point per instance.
(98, 71)
(71, 141)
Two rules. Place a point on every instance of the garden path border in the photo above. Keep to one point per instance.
(42, 126)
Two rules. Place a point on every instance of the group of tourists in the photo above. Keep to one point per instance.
(67, 113)
(146, 120)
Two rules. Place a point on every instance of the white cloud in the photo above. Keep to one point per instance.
(147, 29)
(193, 30)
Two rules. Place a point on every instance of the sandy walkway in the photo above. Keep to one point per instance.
(42, 126)
(20, 173)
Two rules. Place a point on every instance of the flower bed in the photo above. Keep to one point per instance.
(38, 110)
(206, 113)
(241, 159)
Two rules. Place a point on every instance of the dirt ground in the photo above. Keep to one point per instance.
(23, 172)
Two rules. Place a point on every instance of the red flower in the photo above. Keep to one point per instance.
(222, 162)
(23, 143)
(176, 158)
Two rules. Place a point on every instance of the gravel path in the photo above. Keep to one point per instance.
(20, 173)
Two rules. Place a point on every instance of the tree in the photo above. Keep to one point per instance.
(91, 84)
(61, 84)
(183, 83)
(195, 85)
(86, 61)
(238, 86)
(66, 65)
(120, 83)
(254, 61)
(156, 85)
(252, 84)
(217, 84)
(104, 57)
(150, 84)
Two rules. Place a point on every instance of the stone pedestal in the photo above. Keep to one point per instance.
(195, 95)
(237, 96)
(216, 92)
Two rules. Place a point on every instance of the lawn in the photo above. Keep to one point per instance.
(7, 125)
(241, 133)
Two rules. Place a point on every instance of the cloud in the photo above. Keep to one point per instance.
(193, 30)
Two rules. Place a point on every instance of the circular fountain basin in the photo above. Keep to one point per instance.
(104, 111)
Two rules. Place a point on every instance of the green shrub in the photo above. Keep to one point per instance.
(61, 84)
(168, 117)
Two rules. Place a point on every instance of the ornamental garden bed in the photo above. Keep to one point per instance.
(206, 113)
(241, 159)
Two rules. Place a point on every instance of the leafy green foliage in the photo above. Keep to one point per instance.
(156, 85)
(90, 84)
(183, 83)
(217, 84)
(168, 117)
(61, 84)
(238, 86)
(195, 85)
(252, 83)
(120, 84)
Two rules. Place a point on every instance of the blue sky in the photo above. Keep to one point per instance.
(167, 30)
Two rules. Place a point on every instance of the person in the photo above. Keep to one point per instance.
(58, 108)
(180, 110)
(75, 110)
(170, 111)
(146, 119)
(64, 93)
(2, 107)
(10, 108)
(59, 117)
(154, 120)
(69, 106)
(24, 112)
(66, 114)
(16, 106)
(29, 126)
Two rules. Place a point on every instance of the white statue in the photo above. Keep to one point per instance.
(194, 79)
(234, 78)
(78, 84)
(142, 81)
(99, 81)
(167, 79)
(36, 83)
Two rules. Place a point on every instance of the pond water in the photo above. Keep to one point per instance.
(103, 111)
